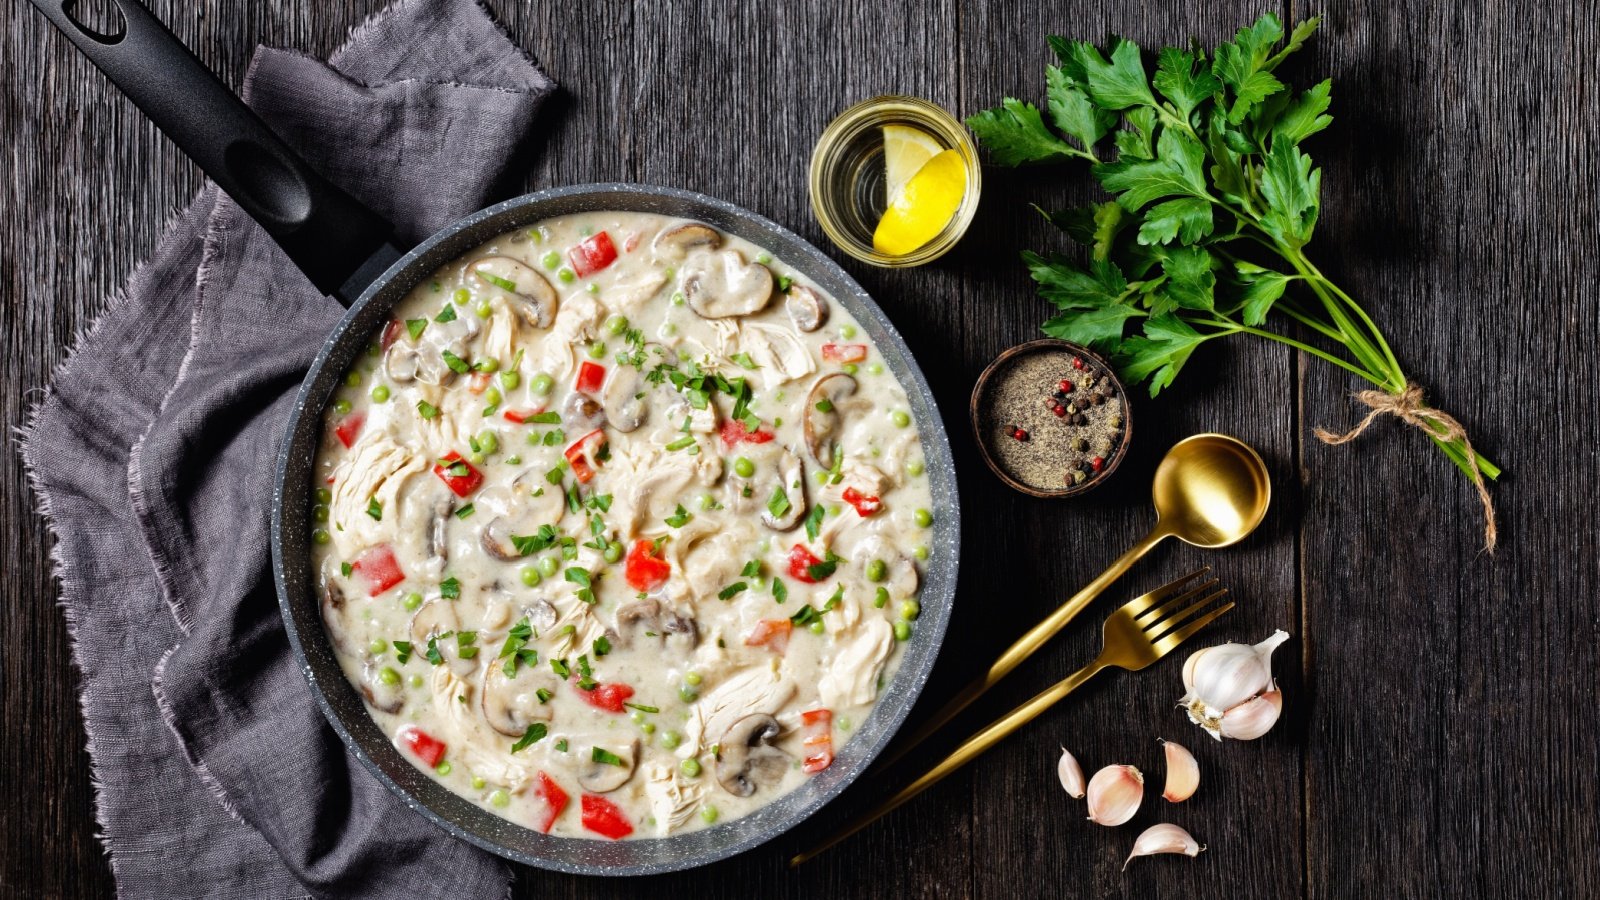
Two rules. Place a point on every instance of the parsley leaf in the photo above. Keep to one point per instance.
(1015, 134)
(535, 733)
(732, 590)
(414, 327)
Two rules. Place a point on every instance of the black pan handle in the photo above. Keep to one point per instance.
(339, 244)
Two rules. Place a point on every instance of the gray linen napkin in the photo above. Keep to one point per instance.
(152, 455)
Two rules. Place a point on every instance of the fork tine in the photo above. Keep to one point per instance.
(1166, 644)
(1145, 619)
(1145, 601)
(1157, 629)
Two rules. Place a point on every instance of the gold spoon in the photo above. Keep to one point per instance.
(1210, 491)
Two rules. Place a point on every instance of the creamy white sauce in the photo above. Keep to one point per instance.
(667, 485)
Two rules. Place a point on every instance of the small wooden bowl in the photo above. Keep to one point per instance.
(982, 394)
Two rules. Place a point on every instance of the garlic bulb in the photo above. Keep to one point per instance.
(1233, 682)
(1183, 773)
(1070, 773)
(1115, 793)
(1163, 839)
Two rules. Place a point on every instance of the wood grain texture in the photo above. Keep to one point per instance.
(1441, 714)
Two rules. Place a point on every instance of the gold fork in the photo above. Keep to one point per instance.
(1136, 635)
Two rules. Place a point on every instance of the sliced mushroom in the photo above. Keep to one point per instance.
(806, 308)
(541, 615)
(496, 540)
(387, 698)
(434, 619)
(532, 297)
(822, 426)
(582, 413)
(647, 618)
(529, 503)
(409, 362)
(746, 758)
(625, 397)
(792, 478)
(680, 633)
(511, 704)
(722, 285)
(604, 777)
(333, 615)
(676, 242)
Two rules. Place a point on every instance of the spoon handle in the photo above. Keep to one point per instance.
(1025, 646)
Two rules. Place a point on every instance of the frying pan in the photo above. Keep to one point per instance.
(347, 251)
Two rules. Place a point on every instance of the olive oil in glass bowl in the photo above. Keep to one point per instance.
(901, 158)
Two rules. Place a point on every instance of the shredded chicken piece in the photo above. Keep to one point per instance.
(672, 800)
(758, 689)
(778, 352)
(852, 677)
(375, 469)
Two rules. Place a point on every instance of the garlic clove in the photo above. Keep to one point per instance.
(1070, 773)
(1115, 793)
(1183, 773)
(1163, 838)
(1252, 718)
(1227, 675)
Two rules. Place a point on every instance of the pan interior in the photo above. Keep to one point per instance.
(343, 705)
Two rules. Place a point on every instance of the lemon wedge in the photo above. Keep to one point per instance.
(922, 208)
(905, 151)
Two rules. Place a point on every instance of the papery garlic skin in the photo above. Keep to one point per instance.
(1183, 773)
(1163, 838)
(1115, 793)
(1071, 774)
(1225, 681)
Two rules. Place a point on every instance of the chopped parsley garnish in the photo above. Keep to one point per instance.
(600, 755)
(833, 601)
(560, 667)
(778, 503)
(375, 509)
(515, 650)
(642, 708)
(824, 569)
(784, 283)
(805, 616)
(533, 735)
(554, 475)
(455, 468)
(543, 694)
(464, 511)
(780, 591)
(583, 580)
(679, 518)
(427, 410)
(545, 418)
(752, 569)
(505, 284)
(574, 502)
(402, 651)
(345, 569)
(456, 363)
(553, 438)
(433, 655)
(744, 361)
(679, 444)
(732, 590)
(814, 521)
(448, 314)
(586, 673)
(561, 745)
(464, 644)
(602, 646)
(532, 543)
(450, 588)
(824, 405)
(414, 327)
(601, 502)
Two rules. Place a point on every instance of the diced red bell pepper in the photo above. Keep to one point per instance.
(645, 569)
(602, 817)
(734, 433)
(608, 697)
(349, 428)
(584, 454)
(555, 800)
(378, 567)
(592, 254)
(818, 740)
(865, 504)
(800, 561)
(772, 634)
(460, 485)
(478, 383)
(844, 353)
(520, 416)
(391, 333)
(422, 745)
(591, 375)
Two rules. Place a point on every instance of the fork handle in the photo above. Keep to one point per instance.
(1025, 646)
(969, 750)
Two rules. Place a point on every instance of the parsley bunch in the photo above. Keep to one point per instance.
(1214, 204)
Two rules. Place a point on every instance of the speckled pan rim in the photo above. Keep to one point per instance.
(341, 704)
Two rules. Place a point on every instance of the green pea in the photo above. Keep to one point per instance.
(875, 368)
(613, 552)
(541, 384)
(597, 350)
(415, 681)
(816, 627)
(743, 467)
(677, 298)
(849, 368)
(616, 325)
(388, 676)
(374, 349)
(353, 378)
(847, 331)
(378, 645)
(648, 728)
(548, 566)
(444, 767)
(462, 296)
(637, 716)
(509, 380)
(500, 798)
(319, 513)
(900, 418)
(877, 570)
(923, 518)
(910, 609)
(669, 329)
(476, 457)
(530, 576)
(914, 468)
(567, 275)
(487, 364)
(488, 441)
(707, 501)
(692, 678)
(380, 393)
(324, 495)
(321, 536)
(880, 598)
(688, 694)
(764, 258)
(708, 814)
(412, 601)
(671, 739)
(492, 396)
(478, 783)
(690, 767)
(342, 407)
(920, 552)
(902, 630)
(513, 460)
(483, 309)
(551, 260)
(593, 288)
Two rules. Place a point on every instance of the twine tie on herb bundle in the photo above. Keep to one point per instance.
(1408, 406)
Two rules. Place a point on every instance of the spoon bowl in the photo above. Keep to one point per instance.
(1210, 491)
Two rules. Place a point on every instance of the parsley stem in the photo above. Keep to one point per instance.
(1232, 327)
(1372, 326)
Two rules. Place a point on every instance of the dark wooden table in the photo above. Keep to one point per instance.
(1441, 717)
